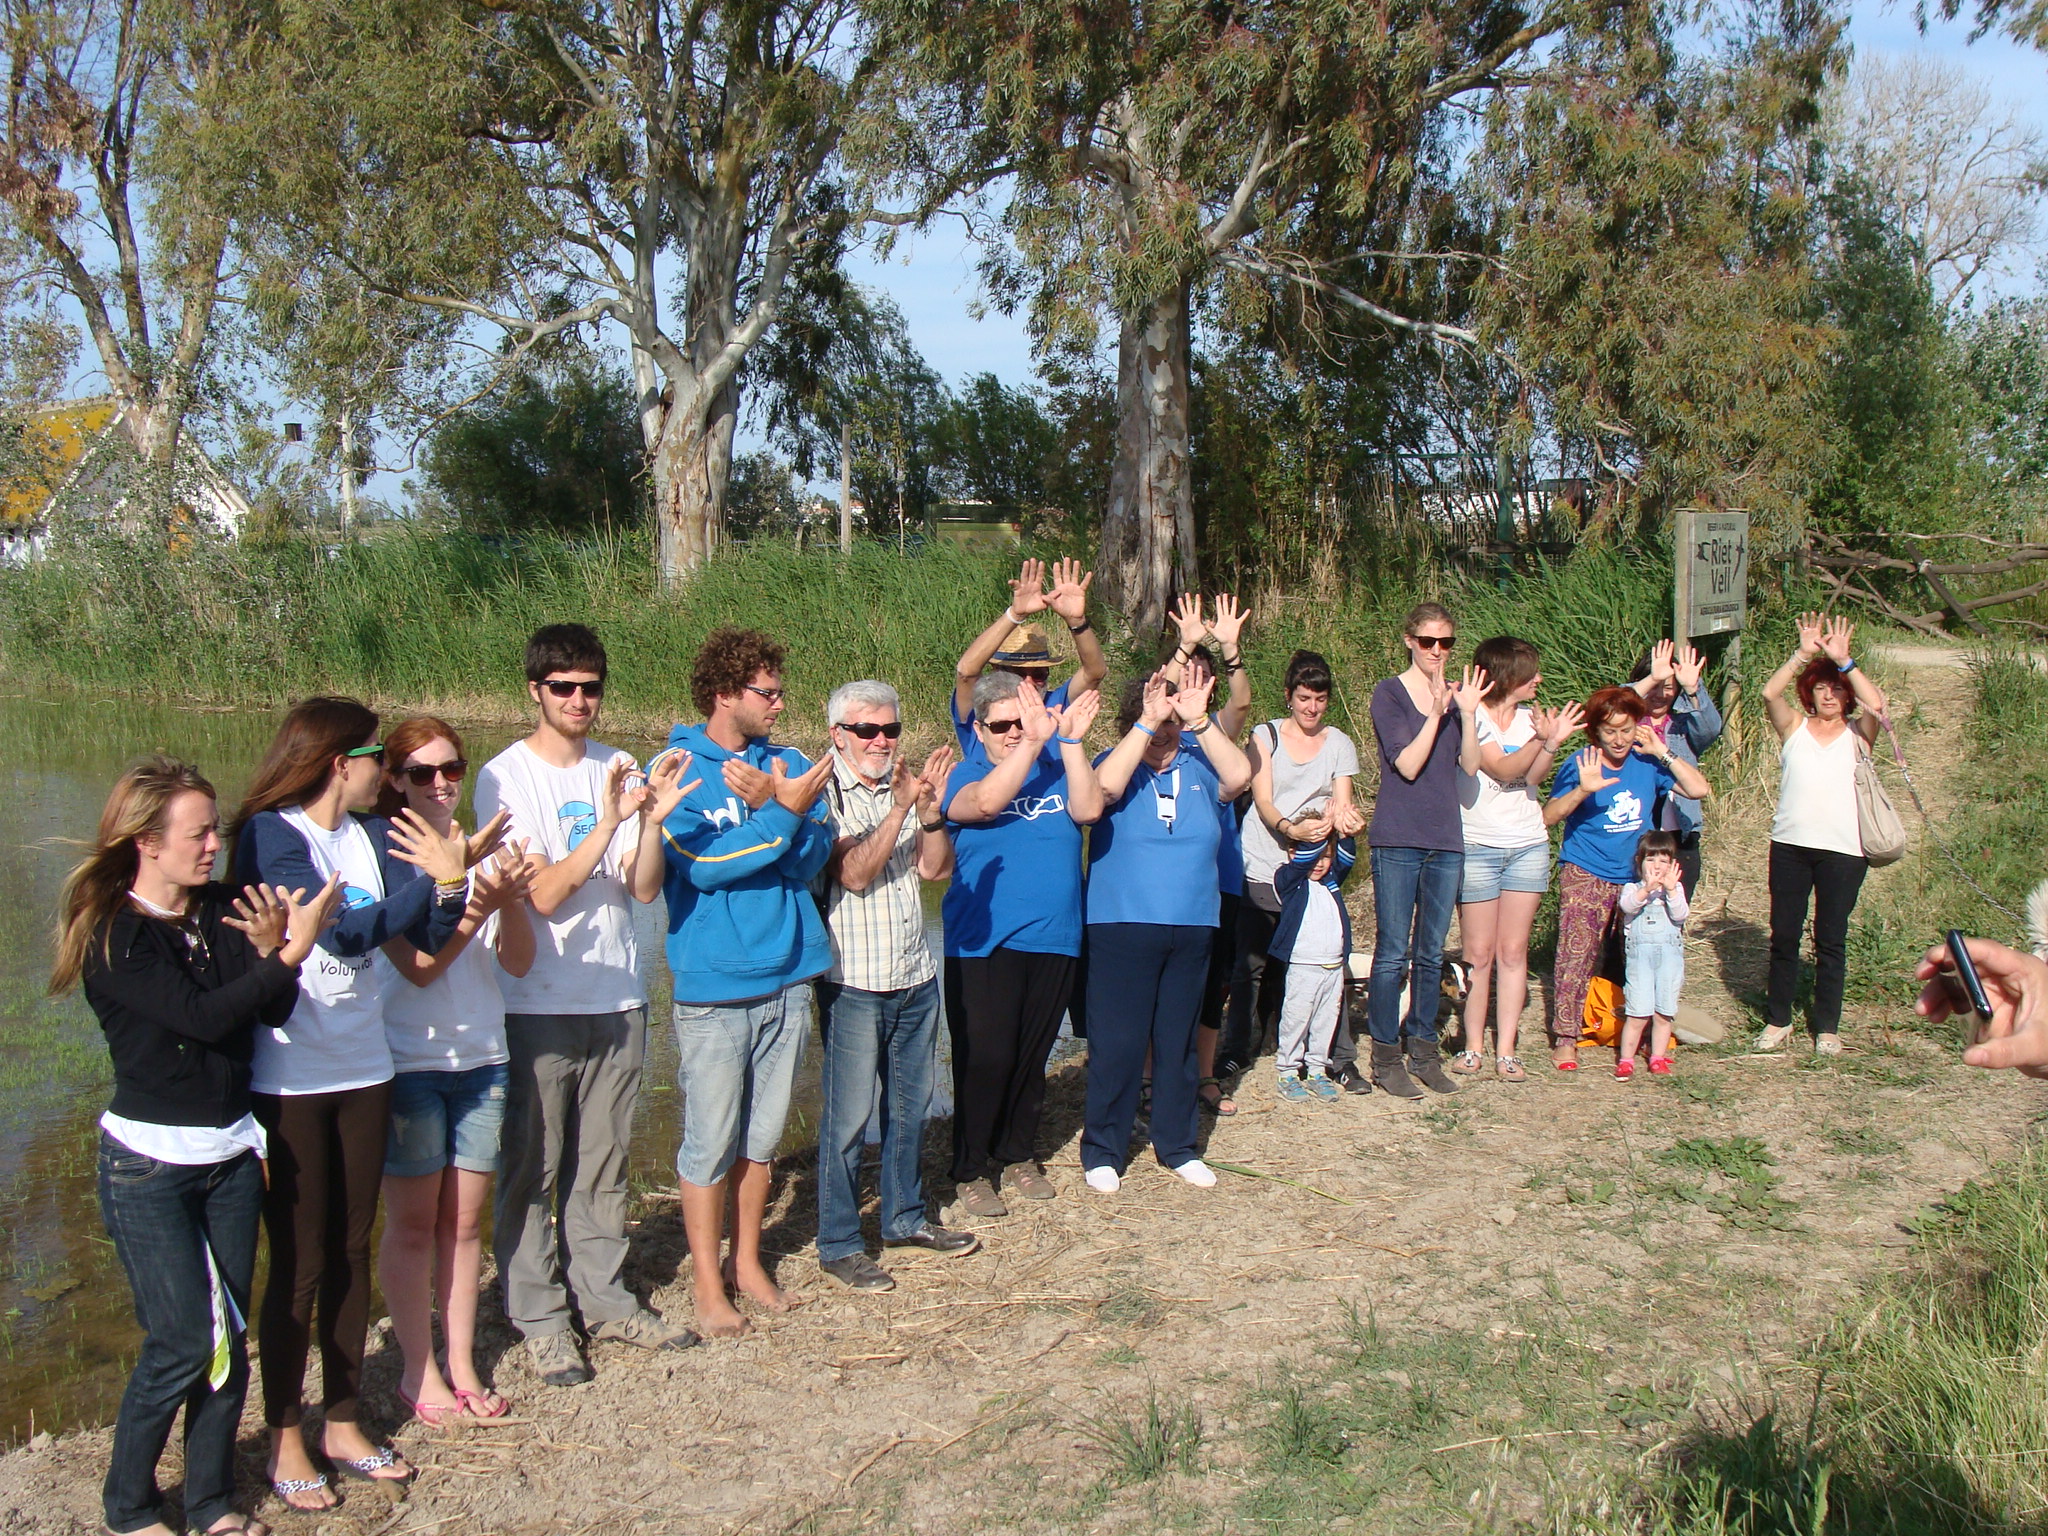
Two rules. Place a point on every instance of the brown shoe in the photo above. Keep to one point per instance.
(978, 1197)
(1031, 1182)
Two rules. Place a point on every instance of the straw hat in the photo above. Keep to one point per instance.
(1026, 646)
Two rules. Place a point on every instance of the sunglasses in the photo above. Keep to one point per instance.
(772, 695)
(1438, 642)
(1003, 727)
(867, 730)
(374, 752)
(422, 774)
(562, 690)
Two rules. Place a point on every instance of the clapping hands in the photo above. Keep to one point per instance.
(1556, 726)
(1468, 693)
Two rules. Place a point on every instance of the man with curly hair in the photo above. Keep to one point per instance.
(738, 847)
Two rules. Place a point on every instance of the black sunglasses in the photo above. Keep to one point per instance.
(422, 774)
(1003, 727)
(867, 730)
(1439, 642)
(562, 690)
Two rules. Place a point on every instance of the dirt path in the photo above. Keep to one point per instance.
(962, 1401)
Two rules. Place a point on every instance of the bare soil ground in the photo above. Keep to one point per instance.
(1554, 1232)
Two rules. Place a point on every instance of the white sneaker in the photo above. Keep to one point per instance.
(1103, 1180)
(1197, 1173)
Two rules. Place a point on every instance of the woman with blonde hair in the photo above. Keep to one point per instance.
(180, 973)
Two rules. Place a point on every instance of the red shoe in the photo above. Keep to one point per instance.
(1626, 1067)
(1661, 1065)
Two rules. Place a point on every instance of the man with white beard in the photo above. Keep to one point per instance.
(879, 1006)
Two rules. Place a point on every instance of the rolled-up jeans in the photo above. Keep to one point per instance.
(164, 1218)
(881, 1049)
(1414, 892)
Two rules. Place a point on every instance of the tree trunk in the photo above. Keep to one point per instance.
(1148, 529)
(846, 486)
(691, 467)
(346, 427)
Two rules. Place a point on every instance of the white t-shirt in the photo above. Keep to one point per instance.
(1501, 815)
(457, 1020)
(1320, 938)
(334, 1040)
(1817, 793)
(585, 957)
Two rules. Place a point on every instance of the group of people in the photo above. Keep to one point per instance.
(380, 1004)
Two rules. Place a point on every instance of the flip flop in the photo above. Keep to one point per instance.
(366, 1468)
(482, 1405)
(287, 1488)
(434, 1415)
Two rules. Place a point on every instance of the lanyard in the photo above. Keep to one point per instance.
(1169, 805)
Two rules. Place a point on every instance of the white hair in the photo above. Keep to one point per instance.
(868, 691)
(993, 688)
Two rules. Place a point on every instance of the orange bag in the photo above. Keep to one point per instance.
(1602, 1014)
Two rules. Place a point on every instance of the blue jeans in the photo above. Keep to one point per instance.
(163, 1217)
(736, 1064)
(1145, 985)
(439, 1118)
(1414, 891)
(880, 1049)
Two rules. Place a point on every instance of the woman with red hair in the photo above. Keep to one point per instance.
(1816, 843)
(1603, 796)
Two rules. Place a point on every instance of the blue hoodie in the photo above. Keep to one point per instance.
(741, 921)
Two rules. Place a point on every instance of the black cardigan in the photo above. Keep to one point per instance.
(181, 1027)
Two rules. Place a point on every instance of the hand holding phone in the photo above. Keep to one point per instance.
(1969, 985)
(2015, 986)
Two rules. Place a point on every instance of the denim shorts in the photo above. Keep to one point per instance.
(1489, 871)
(735, 1065)
(1656, 972)
(438, 1118)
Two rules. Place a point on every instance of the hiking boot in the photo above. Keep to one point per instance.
(645, 1330)
(858, 1272)
(1388, 1075)
(978, 1197)
(1426, 1064)
(556, 1360)
(943, 1241)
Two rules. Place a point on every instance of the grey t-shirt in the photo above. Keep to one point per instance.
(1298, 789)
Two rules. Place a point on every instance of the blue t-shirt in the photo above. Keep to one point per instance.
(1601, 835)
(1017, 879)
(1145, 868)
(970, 744)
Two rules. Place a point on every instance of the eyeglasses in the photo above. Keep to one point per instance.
(772, 695)
(422, 774)
(1439, 642)
(564, 690)
(1003, 727)
(375, 752)
(867, 730)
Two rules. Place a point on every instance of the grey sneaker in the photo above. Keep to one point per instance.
(978, 1197)
(1291, 1088)
(1030, 1181)
(858, 1272)
(1322, 1087)
(645, 1330)
(556, 1360)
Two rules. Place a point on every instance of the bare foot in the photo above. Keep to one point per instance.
(753, 1283)
(718, 1318)
(290, 1464)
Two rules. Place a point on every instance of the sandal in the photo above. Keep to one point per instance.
(367, 1467)
(482, 1405)
(1509, 1069)
(291, 1489)
(1661, 1065)
(1467, 1062)
(434, 1415)
(1565, 1058)
(1773, 1037)
(1625, 1068)
(1222, 1104)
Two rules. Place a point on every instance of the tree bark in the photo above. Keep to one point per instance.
(692, 464)
(846, 486)
(1148, 529)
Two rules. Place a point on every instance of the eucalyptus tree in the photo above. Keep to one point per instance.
(535, 167)
(1162, 149)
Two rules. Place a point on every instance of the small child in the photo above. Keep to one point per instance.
(1655, 907)
(1313, 940)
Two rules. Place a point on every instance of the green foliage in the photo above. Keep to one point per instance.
(1150, 1444)
(2005, 361)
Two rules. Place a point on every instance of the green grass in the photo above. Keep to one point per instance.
(1149, 1444)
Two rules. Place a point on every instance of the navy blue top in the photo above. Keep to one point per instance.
(1291, 882)
(271, 852)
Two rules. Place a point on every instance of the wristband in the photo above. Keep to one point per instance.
(931, 826)
(1139, 725)
(1233, 663)
(1067, 741)
(1011, 615)
(1197, 730)
(1846, 665)
(445, 890)
(1081, 628)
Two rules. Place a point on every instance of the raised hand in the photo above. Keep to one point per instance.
(261, 913)
(1648, 742)
(414, 840)
(932, 782)
(665, 786)
(1810, 627)
(484, 841)
(1442, 692)
(1070, 591)
(799, 794)
(305, 920)
(1157, 708)
(1229, 622)
(1074, 720)
(1311, 829)
(1039, 724)
(754, 787)
(1660, 661)
(1346, 820)
(1835, 640)
(1593, 775)
(1469, 692)
(625, 788)
(1556, 726)
(1187, 614)
(1192, 702)
(1027, 592)
(903, 785)
(1688, 666)
(501, 883)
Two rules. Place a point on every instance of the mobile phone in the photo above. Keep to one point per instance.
(1966, 974)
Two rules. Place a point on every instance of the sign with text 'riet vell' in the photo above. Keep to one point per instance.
(1712, 596)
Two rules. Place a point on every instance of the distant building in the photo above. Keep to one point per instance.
(75, 463)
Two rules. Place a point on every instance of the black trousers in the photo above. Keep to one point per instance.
(1832, 882)
(1222, 961)
(1003, 1012)
(1254, 985)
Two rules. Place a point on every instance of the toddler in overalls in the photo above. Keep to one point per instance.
(1654, 908)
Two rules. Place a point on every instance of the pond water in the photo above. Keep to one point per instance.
(67, 1335)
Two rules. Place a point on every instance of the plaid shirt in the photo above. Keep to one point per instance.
(878, 942)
